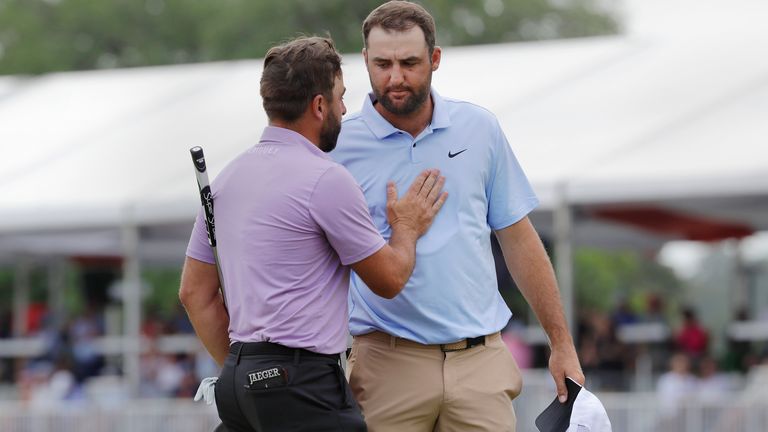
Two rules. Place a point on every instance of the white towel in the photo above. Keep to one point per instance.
(207, 389)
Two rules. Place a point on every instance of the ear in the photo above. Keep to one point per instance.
(436, 55)
(365, 57)
(317, 107)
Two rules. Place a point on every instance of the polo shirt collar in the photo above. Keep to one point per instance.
(278, 135)
(382, 128)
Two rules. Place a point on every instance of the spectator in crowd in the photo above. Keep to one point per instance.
(35, 317)
(179, 322)
(6, 321)
(756, 381)
(604, 358)
(162, 374)
(58, 387)
(623, 314)
(657, 347)
(712, 385)
(692, 338)
(149, 365)
(739, 355)
(654, 312)
(31, 376)
(170, 374)
(675, 385)
(187, 386)
(152, 326)
(82, 333)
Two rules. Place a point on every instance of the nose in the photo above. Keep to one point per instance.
(343, 108)
(396, 76)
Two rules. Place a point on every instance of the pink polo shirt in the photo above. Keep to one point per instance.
(289, 221)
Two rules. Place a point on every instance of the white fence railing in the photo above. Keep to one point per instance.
(163, 415)
(628, 412)
(744, 411)
(642, 412)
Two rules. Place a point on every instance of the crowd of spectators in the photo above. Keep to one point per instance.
(71, 358)
(671, 338)
(682, 363)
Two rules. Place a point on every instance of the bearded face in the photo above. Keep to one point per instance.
(403, 99)
(400, 67)
(329, 133)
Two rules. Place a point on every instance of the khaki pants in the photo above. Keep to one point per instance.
(404, 386)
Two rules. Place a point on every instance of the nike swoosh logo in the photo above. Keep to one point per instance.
(453, 155)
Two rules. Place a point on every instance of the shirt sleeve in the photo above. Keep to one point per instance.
(198, 247)
(339, 208)
(510, 195)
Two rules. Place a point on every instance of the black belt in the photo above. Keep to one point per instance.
(463, 344)
(269, 348)
(447, 347)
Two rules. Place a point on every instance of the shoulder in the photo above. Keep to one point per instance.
(353, 124)
(351, 119)
(465, 108)
(231, 169)
(467, 116)
(473, 122)
(355, 140)
(354, 127)
(335, 177)
(335, 189)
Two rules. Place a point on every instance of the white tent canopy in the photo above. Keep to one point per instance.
(671, 113)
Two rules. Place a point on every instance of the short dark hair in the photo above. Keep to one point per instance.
(295, 72)
(398, 15)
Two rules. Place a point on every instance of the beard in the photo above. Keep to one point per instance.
(410, 104)
(329, 133)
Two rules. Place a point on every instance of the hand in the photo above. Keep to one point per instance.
(418, 207)
(563, 362)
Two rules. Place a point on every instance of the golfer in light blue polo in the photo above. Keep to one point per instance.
(432, 359)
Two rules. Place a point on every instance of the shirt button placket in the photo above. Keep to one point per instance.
(412, 141)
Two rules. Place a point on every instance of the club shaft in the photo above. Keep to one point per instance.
(206, 199)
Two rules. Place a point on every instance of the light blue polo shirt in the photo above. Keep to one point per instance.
(452, 293)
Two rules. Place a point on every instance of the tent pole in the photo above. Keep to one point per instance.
(563, 224)
(740, 277)
(131, 306)
(56, 285)
(21, 288)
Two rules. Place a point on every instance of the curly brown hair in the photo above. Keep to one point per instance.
(398, 15)
(295, 72)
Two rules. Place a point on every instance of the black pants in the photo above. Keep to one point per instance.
(265, 387)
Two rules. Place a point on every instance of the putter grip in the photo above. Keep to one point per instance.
(198, 158)
(206, 197)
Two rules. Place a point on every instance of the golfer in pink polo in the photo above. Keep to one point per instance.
(290, 223)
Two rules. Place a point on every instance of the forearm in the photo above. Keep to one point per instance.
(532, 272)
(211, 324)
(387, 271)
(199, 293)
(403, 245)
(538, 285)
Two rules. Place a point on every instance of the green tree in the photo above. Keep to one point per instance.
(602, 277)
(38, 36)
(163, 295)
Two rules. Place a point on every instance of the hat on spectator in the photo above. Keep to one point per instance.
(582, 412)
